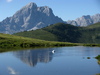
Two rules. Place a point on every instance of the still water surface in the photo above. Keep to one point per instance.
(77, 60)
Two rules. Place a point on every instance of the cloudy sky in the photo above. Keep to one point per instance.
(65, 9)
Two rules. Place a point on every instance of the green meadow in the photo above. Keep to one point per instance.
(11, 41)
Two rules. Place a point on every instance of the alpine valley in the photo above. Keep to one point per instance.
(36, 42)
(40, 23)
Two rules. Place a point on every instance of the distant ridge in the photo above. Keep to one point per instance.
(85, 20)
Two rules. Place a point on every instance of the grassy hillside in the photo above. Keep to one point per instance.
(56, 32)
(11, 41)
(94, 26)
(90, 34)
(66, 33)
(38, 34)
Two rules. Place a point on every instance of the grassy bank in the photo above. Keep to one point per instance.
(98, 58)
(11, 41)
(15, 42)
(92, 45)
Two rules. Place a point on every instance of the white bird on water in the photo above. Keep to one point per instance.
(53, 51)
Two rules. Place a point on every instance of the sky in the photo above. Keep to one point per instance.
(65, 9)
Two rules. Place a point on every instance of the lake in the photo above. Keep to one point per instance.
(76, 60)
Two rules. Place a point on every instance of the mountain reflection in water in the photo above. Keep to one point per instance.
(32, 57)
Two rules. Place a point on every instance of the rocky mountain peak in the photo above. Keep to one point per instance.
(30, 17)
(26, 9)
(31, 5)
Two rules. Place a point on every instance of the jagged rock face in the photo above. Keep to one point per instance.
(96, 18)
(30, 17)
(85, 20)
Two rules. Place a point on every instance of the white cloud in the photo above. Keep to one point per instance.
(9, 0)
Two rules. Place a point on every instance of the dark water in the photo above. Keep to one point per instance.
(77, 60)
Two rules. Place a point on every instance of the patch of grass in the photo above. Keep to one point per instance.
(96, 25)
(38, 34)
(98, 57)
(97, 74)
(11, 41)
(92, 45)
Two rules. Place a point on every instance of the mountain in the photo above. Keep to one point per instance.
(30, 17)
(85, 20)
(66, 33)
